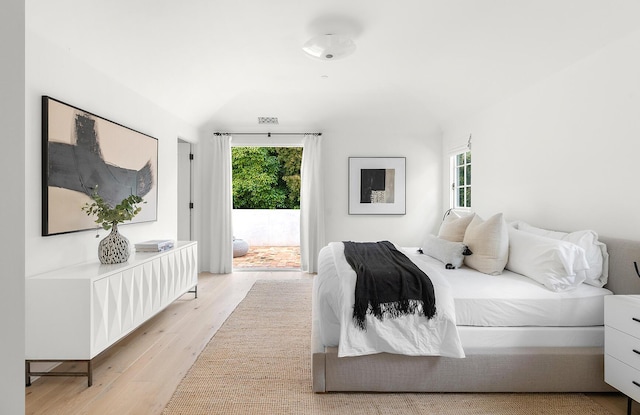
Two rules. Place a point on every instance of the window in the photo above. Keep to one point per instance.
(461, 180)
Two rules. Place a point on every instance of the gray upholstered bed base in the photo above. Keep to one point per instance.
(565, 369)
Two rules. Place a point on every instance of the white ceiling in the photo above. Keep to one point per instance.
(226, 62)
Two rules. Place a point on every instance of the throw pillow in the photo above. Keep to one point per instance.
(454, 226)
(449, 253)
(489, 242)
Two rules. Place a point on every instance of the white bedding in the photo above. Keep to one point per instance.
(412, 335)
(511, 301)
(473, 337)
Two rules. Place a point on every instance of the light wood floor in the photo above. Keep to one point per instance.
(139, 374)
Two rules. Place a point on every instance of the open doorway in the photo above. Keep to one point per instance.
(266, 207)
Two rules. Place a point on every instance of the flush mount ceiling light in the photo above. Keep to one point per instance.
(329, 47)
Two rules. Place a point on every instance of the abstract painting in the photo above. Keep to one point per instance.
(82, 153)
(377, 185)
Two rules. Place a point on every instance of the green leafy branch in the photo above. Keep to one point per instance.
(106, 215)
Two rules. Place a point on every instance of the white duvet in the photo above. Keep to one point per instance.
(411, 335)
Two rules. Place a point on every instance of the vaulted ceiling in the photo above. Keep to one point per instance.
(227, 62)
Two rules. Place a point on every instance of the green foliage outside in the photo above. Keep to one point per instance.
(266, 177)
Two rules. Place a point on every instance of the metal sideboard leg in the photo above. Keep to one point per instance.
(28, 373)
(194, 291)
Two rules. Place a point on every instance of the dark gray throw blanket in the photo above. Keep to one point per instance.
(388, 284)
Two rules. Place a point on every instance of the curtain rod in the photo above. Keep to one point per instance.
(267, 134)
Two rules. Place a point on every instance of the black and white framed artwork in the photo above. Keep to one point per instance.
(377, 186)
(81, 152)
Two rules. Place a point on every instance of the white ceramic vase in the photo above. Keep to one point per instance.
(114, 248)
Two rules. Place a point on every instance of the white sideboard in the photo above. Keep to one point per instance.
(622, 344)
(77, 312)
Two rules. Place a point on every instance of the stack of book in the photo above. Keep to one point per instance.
(156, 245)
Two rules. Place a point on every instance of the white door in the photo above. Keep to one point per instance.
(184, 191)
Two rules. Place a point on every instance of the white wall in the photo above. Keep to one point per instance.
(267, 227)
(12, 248)
(422, 149)
(56, 72)
(563, 153)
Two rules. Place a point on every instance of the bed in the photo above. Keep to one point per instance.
(557, 350)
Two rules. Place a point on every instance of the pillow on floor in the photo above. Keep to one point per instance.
(454, 226)
(595, 251)
(489, 242)
(449, 253)
(554, 263)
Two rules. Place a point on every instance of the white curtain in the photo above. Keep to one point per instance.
(311, 203)
(216, 245)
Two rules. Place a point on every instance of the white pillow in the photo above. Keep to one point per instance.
(450, 253)
(595, 251)
(553, 263)
(489, 242)
(454, 226)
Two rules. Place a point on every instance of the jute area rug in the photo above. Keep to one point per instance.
(259, 363)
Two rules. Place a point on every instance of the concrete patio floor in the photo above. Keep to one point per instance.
(269, 257)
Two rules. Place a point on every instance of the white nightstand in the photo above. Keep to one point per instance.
(622, 344)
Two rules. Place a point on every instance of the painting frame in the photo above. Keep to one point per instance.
(83, 152)
(377, 185)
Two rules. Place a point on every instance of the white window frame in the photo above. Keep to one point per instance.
(454, 179)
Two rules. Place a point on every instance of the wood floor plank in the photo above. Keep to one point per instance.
(139, 374)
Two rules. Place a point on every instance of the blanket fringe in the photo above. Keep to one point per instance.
(390, 310)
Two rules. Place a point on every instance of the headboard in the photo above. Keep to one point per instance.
(623, 278)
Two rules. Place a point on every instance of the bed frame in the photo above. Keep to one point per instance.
(536, 369)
